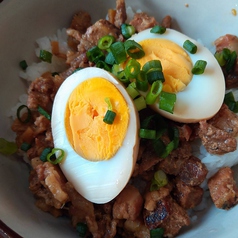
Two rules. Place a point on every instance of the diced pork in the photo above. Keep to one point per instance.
(223, 189)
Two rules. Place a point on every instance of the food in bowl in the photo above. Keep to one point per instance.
(149, 167)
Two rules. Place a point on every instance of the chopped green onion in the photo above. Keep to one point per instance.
(229, 100)
(7, 147)
(25, 146)
(147, 133)
(226, 54)
(132, 69)
(127, 30)
(105, 42)
(133, 49)
(23, 64)
(132, 91)
(95, 54)
(159, 180)
(231, 61)
(154, 75)
(199, 67)
(110, 58)
(109, 117)
(46, 56)
(53, 158)
(154, 92)
(44, 113)
(190, 46)
(140, 103)
(142, 82)
(167, 101)
(158, 29)
(118, 52)
(45, 152)
(102, 65)
(174, 136)
(157, 233)
(19, 114)
(82, 229)
(152, 64)
(220, 59)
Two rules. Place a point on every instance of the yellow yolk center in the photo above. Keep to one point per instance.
(90, 137)
(175, 61)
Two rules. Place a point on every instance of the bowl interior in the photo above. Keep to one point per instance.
(21, 23)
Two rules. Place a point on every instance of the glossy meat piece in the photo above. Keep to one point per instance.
(223, 189)
(225, 120)
(120, 16)
(128, 204)
(193, 172)
(81, 21)
(173, 163)
(142, 21)
(187, 196)
(215, 140)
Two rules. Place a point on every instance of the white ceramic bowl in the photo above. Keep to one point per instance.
(21, 22)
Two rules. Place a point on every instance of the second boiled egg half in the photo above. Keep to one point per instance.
(99, 157)
(199, 97)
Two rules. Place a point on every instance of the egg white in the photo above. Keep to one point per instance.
(204, 95)
(98, 182)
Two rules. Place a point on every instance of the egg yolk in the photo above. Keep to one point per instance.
(90, 137)
(175, 61)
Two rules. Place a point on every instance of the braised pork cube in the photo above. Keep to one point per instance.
(167, 215)
(187, 196)
(215, 140)
(175, 160)
(193, 172)
(223, 189)
(128, 204)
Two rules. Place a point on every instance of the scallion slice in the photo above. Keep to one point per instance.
(167, 101)
(55, 156)
(142, 82)
(45, 56)
(147, 133)
(95, 54)
(157, 233)
(118, 52)
(133, 49)
(199, 67)
(230, 101)
(44, 113)
(154, 75)
(152, 64)
(158, 29)
(102, 65)
(110, 114)
(44, 153)
(132, 91)
(140, 103)
(190, 46)
(110, 58)
(7, 147)
(154, 92)
(23, 64)
(20, 111)
(82, 229)
(109, 117)
(127, 30)
(105, 42)
(132, 69)
(231, 61)
(25, 146)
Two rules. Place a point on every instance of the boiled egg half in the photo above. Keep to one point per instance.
(99, 157)
(199, 97)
